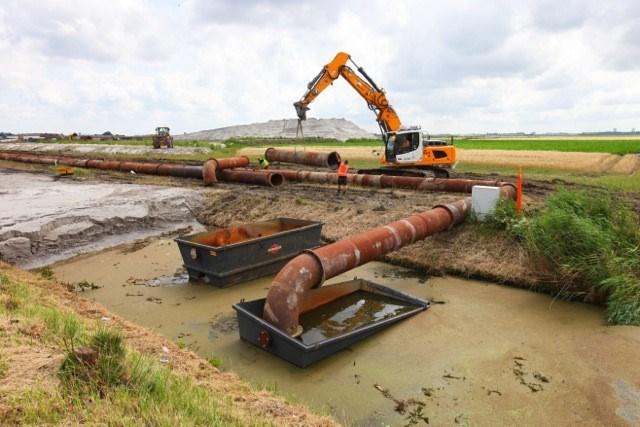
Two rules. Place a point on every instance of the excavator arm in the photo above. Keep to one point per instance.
(375, 98)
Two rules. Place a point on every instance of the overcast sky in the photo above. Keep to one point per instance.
(450, 66)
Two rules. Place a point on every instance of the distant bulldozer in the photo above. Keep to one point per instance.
(162, 138)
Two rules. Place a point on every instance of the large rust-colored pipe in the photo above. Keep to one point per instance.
(454, 185)
(288, 292)
(270, 179)
(291, 292)
(313, 158)
(212, 166)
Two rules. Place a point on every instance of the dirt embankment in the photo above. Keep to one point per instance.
(463, 251)
(38, 364)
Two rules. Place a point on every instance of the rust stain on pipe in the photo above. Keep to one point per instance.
(313, 158)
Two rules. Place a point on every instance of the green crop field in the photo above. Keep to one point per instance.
(613, 146)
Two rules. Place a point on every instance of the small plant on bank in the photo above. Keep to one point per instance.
(98, 365)
(4, 366)
(46, 272)
(216, 362)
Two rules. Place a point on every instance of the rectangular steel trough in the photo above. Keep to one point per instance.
(295, 350)
(232, 255)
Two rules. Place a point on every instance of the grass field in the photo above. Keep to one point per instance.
(611, 182)
(612, 146)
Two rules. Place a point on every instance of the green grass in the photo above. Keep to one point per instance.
(611, 182)
(614, 146)
(590, 239)
(216, 362)
(4, 366)
(123, 388)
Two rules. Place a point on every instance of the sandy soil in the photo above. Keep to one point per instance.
(247, 402)
(582, 162)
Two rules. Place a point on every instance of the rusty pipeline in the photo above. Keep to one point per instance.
(212, 166)
(270, 179)
(313, 158)
(220, 168)
(293, 292)
(454, 185)
(152, 168)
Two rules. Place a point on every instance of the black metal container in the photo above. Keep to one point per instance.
(232, 255)
(292, 349)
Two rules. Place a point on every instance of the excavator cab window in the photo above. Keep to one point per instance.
(407, 142)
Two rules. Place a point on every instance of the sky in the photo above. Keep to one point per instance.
(128, 66)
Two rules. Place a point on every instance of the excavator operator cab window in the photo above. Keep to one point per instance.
(406, 142)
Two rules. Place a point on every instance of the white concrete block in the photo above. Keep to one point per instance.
(484, 200)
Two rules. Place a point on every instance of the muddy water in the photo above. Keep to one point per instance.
(481, 355)
(347, 314)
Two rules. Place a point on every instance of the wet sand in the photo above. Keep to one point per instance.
(483, 354)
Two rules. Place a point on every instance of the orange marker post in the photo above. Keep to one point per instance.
(519, 191)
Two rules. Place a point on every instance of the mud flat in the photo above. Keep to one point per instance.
(483, 354)
(43, 220)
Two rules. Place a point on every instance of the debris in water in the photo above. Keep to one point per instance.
(461, 419)
(541, 377)
(136, 282)
(155, 300)
(490, 392)
(449, 376)
(428, 391)
(168, 281)
(222, 323)
(520, 372)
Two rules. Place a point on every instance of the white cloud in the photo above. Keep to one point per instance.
(460, 66)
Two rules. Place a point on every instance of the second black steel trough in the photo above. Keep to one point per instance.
(328, 331)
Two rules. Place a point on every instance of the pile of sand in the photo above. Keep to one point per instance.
(340, 129)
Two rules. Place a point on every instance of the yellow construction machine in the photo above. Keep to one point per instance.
(406, 151)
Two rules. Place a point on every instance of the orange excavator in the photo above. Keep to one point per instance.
(407, 152)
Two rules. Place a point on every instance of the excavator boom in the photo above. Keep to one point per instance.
(374, 96)
(406, 152)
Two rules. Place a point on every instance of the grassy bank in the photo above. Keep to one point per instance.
(60, 367)
(590, 240)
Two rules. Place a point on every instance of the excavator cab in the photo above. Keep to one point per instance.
(403, 146)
